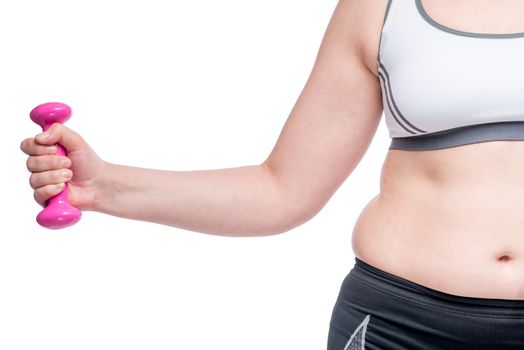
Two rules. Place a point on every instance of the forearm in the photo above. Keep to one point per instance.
(242, 201)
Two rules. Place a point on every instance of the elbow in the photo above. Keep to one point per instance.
(276, 221)
(290, 208)
(293, 216)
(297, 221)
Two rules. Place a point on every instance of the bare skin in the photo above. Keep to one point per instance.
(448, 219)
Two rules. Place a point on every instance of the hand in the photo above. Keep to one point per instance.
(81, 168)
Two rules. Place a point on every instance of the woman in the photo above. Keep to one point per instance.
(439, 252)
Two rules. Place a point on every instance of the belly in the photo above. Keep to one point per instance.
(466, 241)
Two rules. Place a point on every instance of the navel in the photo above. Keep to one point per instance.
(504, 258)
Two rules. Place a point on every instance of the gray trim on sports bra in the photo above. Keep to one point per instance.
(512, 130)
(382, 28)
(396, 110)
(437, 25)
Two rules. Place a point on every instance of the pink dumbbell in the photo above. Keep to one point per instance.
(58, 213)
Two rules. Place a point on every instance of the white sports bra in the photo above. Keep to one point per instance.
(443, 87)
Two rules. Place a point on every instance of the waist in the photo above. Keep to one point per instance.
(474, 224)
(443, 244)
(482, 206)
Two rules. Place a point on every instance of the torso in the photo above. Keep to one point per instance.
(451, 219)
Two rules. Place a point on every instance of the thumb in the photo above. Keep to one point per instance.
(61, 134)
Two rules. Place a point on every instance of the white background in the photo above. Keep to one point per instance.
(178, 85)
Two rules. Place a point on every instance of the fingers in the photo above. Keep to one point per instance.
(44, 143)
(51, 177)
(36, 164)
(48, 183)
(59, 133)
(42, 194)
(30, 147)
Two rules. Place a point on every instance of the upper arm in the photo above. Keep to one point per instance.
(334, 119)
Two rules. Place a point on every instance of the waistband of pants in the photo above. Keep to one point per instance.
(387, 281)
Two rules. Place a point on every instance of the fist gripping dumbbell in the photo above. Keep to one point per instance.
(58, 213)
